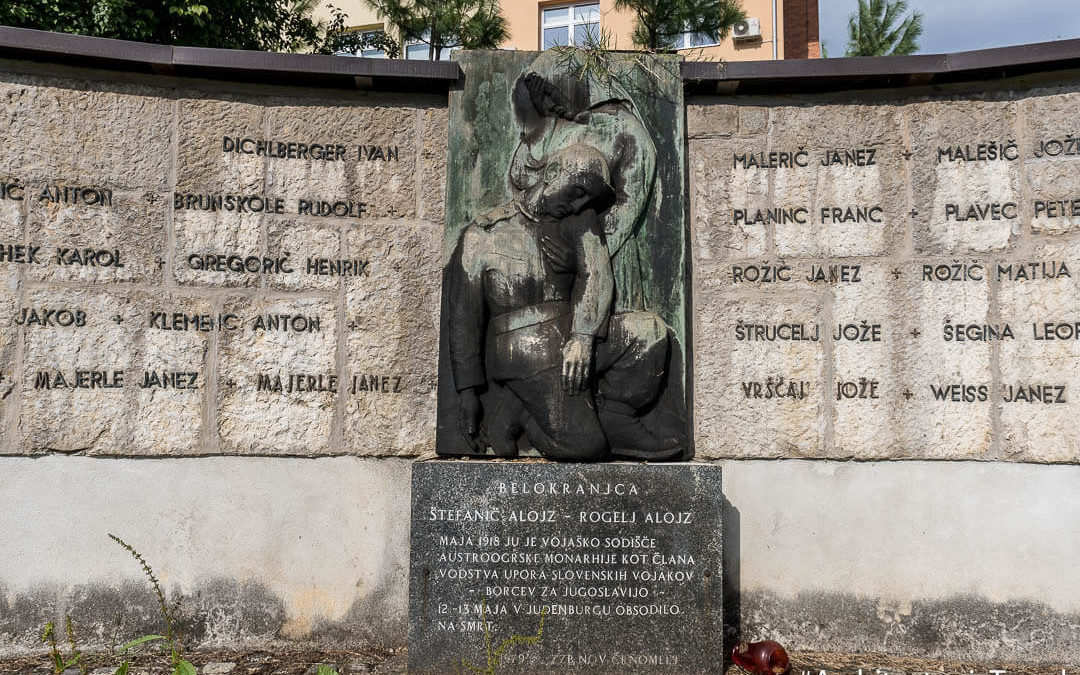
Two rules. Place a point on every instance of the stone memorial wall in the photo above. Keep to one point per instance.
(193, 272)
(887, 278)
(219, 339)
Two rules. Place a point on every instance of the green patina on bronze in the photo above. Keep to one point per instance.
(636, 120)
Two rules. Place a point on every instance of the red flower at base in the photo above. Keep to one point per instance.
(761, 658)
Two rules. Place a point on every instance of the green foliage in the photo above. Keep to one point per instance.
(325, 670)
(593, 58)
(73, 643)
(172, 636)
(340, 39)
(138, 641)
(445, 24)
(59, 663)
(168, 614)
(633, 71)
(266, 25)
(872, 30)
(494, 654)
(659, 22)
(184, 668)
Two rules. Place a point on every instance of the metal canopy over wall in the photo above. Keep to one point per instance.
(347, 72)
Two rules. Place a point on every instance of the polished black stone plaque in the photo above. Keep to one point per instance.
(563, 568)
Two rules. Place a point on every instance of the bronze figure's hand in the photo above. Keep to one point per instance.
(577, 363)
(547, 99)
(559, 256)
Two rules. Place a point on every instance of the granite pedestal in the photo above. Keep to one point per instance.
(553, 568)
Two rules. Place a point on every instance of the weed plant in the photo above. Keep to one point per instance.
(172, 638)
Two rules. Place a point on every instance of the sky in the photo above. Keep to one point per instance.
(962, 25)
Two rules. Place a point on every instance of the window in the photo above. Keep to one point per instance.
(418, 51)
(365, 36)
(570, 24)
(374, 52)
(688, 40)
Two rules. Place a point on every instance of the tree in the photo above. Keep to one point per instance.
(871, 30)
(660, 22)
(445, 24)
(339, 38)
(265, 25)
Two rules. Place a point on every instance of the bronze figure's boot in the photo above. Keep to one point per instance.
(504, 424)
(629, 437)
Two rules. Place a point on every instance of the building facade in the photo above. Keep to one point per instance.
(774, 29)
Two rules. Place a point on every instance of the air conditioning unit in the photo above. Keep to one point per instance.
(746, 30)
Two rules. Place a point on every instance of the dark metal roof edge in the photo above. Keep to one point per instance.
(312, 64)
(42, 43)
(1060, 53)
(238, 64)
(349, 71)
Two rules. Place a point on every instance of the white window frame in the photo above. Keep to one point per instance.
(684, 41)
(445, 56)
(570, 22)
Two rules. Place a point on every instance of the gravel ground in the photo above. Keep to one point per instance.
(393, 662)
(236, 663)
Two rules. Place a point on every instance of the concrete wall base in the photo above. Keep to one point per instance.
(958, 560)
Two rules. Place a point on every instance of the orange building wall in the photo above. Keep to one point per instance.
(524, 19)
(358, 11)
(797, 21)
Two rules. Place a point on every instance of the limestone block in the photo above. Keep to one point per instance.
(753, 120)
(1049, 118)
(202, 165)
(717, 188)
(118, 242)
(278, 380)
(378, 167)
(392, 338)
(171, 372)
(80, 375)
(962, 189)
(433, 163)
(710, 118)
(938, 357)
(1039, 400)
(781, 276)
(11, 234)
(313, 250)
(9, 366)
(852, 184)
(206, 240)
(737, 410)
(865, 331)
(90, 134)
(11, 222)
(1054, 187)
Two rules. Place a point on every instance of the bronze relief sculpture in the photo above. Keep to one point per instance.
(551, 337)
